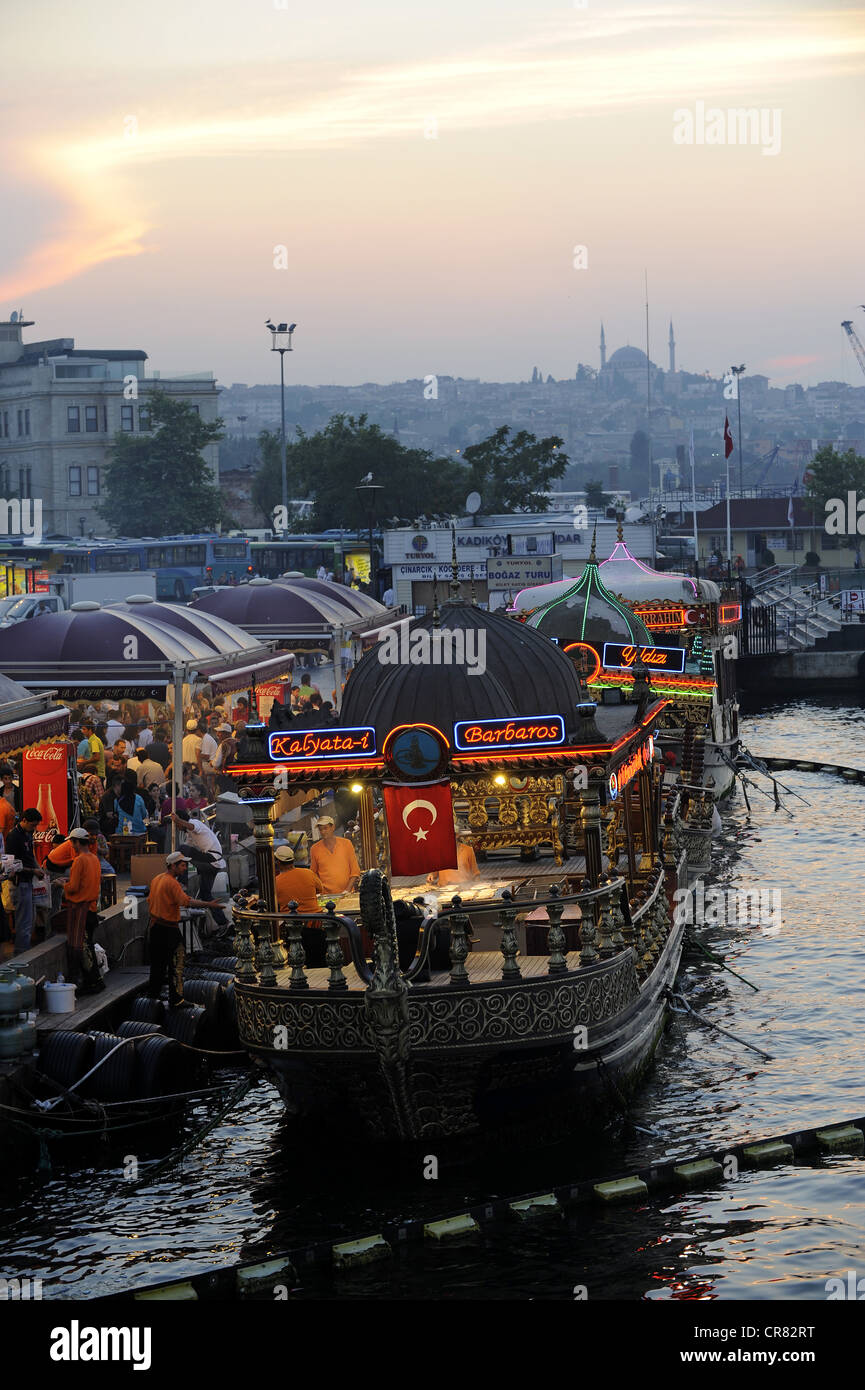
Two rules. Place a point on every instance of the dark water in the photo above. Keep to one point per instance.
(244, 1192)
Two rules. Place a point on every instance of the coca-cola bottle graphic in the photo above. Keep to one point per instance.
(48, 827)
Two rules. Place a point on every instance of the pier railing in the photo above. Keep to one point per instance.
(609, 924)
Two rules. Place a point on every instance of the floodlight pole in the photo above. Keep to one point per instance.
(281, 339)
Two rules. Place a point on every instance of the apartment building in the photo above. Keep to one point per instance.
(60, 409)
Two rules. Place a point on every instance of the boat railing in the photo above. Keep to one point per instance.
(609, 923)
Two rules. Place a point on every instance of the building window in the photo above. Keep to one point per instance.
(6, 424)
(127, 418)
(75, 482)
(73, 419)
(92, 481)
(23, 482)
(143, 418)
(20, 423)
(104, 419)
(27, 421)
(91, 419)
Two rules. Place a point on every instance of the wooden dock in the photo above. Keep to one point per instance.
(121, 985)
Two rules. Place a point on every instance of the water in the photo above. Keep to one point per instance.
(244, 1192)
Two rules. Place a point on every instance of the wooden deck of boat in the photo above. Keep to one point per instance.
(495, 872)
(484, 967)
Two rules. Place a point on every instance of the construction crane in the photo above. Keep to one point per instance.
(767, 460)
(855, 343)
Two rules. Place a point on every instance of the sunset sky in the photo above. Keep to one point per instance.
(154, 156)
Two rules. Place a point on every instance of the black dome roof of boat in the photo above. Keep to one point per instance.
(525, 674)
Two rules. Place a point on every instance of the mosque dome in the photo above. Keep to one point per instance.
(627, 357)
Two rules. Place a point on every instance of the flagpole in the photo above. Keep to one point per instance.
(729, 537)
(694, 504)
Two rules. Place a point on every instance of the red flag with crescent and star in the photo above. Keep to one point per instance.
(420, 827)
(728, 438)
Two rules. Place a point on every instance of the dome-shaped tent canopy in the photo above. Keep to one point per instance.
(525, 674)
(278, 606)
(90, 633)
(587, 612)
(362, 604)
(222, 637)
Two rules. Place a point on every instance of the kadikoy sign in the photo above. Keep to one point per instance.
(320, 745)
(621, 656)
(485, 735)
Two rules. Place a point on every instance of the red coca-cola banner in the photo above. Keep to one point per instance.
(43, 785)
(420, 827)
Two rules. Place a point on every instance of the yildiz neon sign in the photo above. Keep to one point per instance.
(621, 656)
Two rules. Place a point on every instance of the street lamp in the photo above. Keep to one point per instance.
(281, 342)
(367, 492)
(737, 372)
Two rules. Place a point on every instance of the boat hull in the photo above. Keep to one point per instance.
(551, 1052)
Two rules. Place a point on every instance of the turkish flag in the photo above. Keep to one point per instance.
(420, 826)
(728, 438)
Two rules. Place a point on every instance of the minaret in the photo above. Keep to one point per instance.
(672, 349)
(603, 349)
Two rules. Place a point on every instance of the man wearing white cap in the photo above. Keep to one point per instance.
(165, 900)
(333, 859)
(295, 885)
(81, 898)
(191, 743)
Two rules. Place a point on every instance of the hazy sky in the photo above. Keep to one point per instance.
(430, 169)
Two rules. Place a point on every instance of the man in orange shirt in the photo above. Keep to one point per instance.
(167, 952)
(295, 885)
(7, 817)
(301, 886)
(334, 860)
(81, 898)
(466, 871)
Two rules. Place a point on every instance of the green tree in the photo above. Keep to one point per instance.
(329, 464)
(158, 483)
(595, 494)
(829, 478)
(513, 475)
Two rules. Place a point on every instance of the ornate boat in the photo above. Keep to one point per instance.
(536, 997)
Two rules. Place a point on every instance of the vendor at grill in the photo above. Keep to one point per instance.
(334, 860)
(295, 885)
(466, 871)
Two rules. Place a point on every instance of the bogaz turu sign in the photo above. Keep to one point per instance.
(522, 571)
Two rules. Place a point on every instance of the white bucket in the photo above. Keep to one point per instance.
(59, 999)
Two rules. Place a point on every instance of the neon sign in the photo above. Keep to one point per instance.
(661, 617)
(620, 656)
(535, 731)
(730, 613)
(585, 658)
(321, 745)
(629, 769)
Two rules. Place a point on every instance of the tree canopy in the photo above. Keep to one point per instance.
(158, 483)
(513, 475)
(328, 465)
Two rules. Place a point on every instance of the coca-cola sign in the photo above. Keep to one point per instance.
(44, 785)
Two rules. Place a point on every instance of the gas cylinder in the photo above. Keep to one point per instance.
(10, 995)
(11, 1038)
(28, 989)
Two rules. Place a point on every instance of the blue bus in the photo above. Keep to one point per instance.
(341, 554)
(181, 563)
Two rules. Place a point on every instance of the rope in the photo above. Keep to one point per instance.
(767, 1056)
(719, 960)
(237, 1094)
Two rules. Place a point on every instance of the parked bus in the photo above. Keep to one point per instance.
(341, 556)
(180, 563)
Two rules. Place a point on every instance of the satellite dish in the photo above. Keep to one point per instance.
(473, 503)
(14, 316)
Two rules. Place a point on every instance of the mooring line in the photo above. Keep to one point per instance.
(767, 1056)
